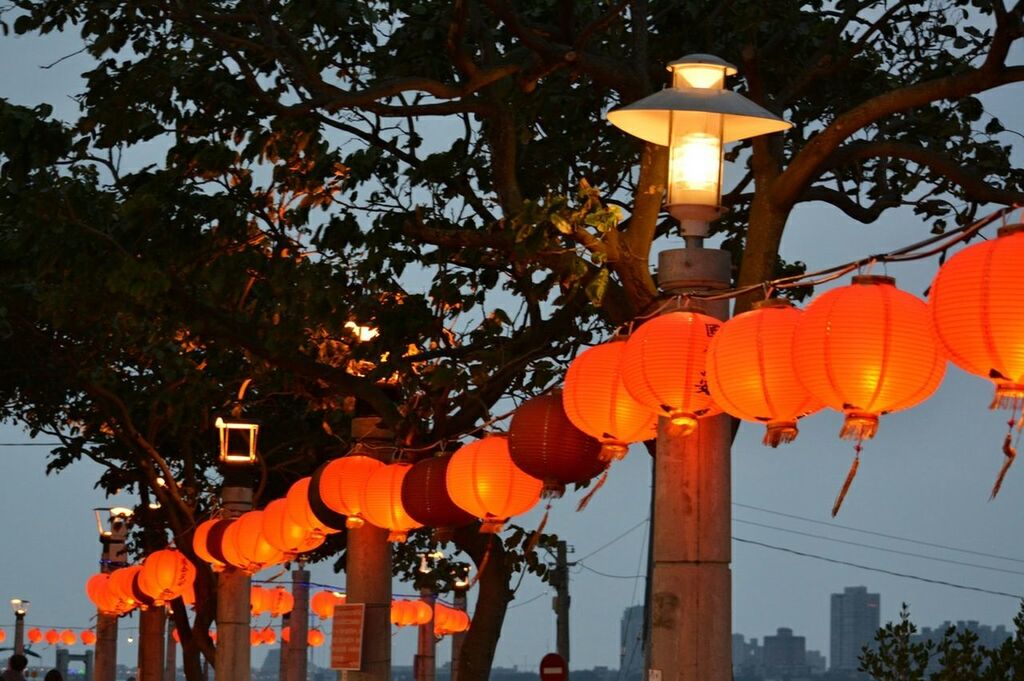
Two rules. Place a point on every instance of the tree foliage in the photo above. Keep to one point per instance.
(247, 176)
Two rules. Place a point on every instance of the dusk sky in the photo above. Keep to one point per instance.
(926, 477)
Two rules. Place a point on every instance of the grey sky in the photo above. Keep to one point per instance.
(926, 476)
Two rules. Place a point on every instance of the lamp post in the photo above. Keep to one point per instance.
(689, 609)
(238, 439)
(112, 538)
(20, 608)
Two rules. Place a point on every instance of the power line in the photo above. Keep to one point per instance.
(527, 602)
(605, 574)
(878, 534)
(612, 541)
(904, 575)
(880, 548)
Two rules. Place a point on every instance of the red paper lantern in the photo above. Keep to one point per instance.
(867, 349)
(244, 545)
(166, 574)
(35, 635)
(255, 638)
(259, 600)
(483, 480)
(52, 637)
(206, 542)
(664, 367)
(302, 513)
(285, 534)
(142, 599)
(382, 501)
(597, 402)
(268, 636)
(425, 497)
(545, 444)
(68, 638)
(280, 601)
(976, 301)
(322, 604)
(341, 486)
(752, 373)
(315, 638)
(88, 637)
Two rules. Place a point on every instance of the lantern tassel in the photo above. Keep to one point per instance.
(859, 426)
(780, 432)
(1010, 454)
(535, 535)
(590, 495)
(849, 481)
(1008, 396)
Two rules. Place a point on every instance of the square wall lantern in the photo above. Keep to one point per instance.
(237, 440)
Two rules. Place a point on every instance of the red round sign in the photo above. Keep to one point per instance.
(553, 668)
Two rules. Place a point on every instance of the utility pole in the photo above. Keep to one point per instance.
(112, 553)
(298, 620)
(368, 567)
(561, 601)
(425, 664)
(234, 657)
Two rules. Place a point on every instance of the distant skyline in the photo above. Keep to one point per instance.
(926, 476)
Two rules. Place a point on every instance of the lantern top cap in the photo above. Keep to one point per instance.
(703, 60)
(874, 280)
(1007, 230)
(770, 303)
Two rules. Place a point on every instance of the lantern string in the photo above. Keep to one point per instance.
(849, 479)
(1009, 454)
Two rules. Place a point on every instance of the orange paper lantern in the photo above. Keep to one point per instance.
(255, 638)
(597, 402)
(315, 638)
(279, 601)
(322, 604)
(3, 635)
(268, 636)
(201, 542)
(286, 634)
(483, 480)
(244, 545)
(98, 591)
(867, 349)
(976, 301)
(259, 600)
(68, 638)
(166, 574)
(35, 635)
(120, 585)
(52, 637)
(286, 535)
(382, 501)
(341, 485)
(545, 444)
(751, 371)
(88, 637)
(301, 512)
(664, 367)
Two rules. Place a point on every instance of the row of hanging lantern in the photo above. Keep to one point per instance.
(53, 637)
(163, 576)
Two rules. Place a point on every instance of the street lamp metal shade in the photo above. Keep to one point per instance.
(651, 118)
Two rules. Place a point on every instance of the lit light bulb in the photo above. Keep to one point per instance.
(695, 170)
(704, 76)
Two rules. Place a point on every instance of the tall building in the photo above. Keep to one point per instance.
(855, 619)
(785, 654)
(631, 639)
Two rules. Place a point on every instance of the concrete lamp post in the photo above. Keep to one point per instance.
(20, 608)
(112, 537)
(238, 440)
(689, 613)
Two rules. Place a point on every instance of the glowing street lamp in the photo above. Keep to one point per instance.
(695, 118)
(20, 608)
(237, 440)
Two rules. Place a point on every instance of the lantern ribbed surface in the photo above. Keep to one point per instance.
(596, 401)
(751, 373)
(382, 501)
(279, 601)
(89, 637)
(120, 584)
(98, 591)
(545, 444)
(976, 303)
(867, 349)
(244, 545)
(664, 367)
(300, 511)
(342, 482)
(315, 638)
(166, 574)
(259, 600)
(142, 599)
(322, 604)
(425, 495)
(483, 480)
(284, 534)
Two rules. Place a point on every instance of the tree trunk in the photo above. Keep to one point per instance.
(764, 235)
(481, 640)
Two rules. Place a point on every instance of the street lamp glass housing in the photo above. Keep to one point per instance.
(19, 606)
(237, 440)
